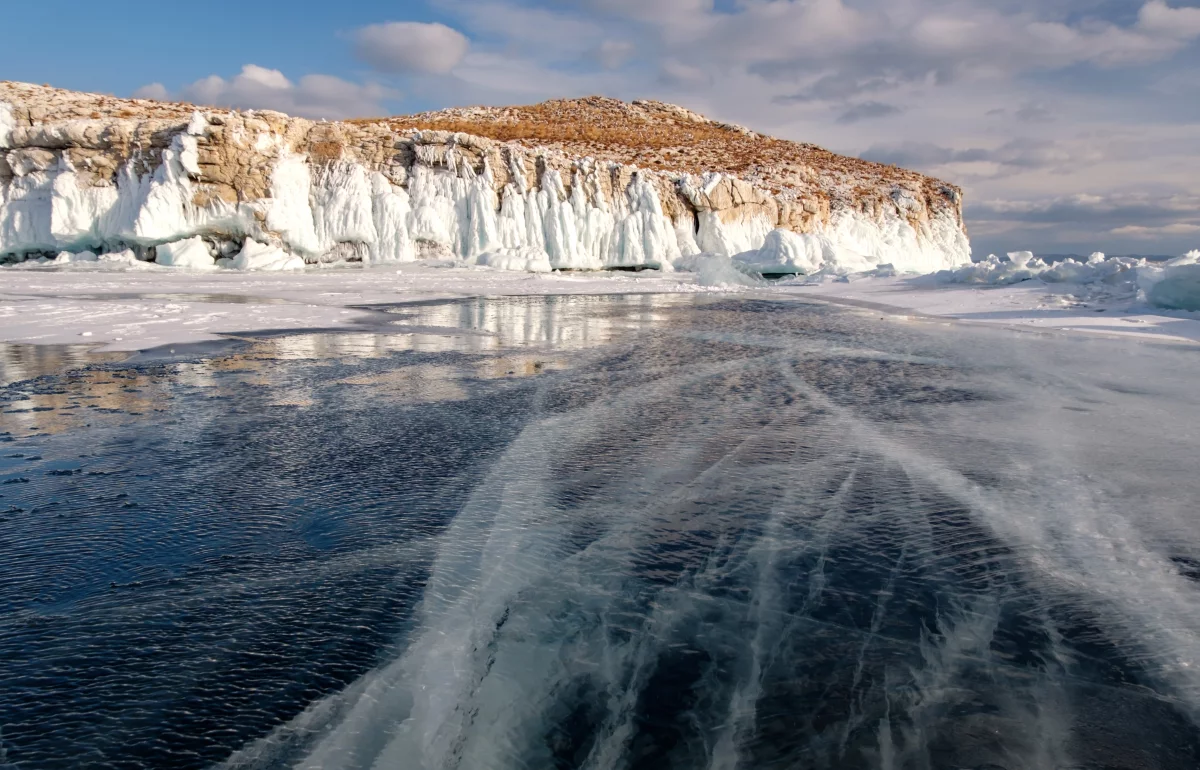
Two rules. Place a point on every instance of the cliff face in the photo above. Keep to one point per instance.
(572, 184)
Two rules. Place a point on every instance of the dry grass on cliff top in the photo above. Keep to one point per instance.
(649, 134)
(658, 136)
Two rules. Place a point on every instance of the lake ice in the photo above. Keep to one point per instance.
(604, 532)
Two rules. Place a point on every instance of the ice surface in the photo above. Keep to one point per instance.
(768, 540)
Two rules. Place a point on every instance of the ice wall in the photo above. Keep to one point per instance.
(243, 187)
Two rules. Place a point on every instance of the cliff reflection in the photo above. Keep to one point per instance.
(428, 355)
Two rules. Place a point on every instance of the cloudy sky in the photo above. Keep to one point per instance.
(1072, 124)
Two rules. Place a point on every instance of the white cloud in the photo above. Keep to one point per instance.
(1155, 233)
(156, 91)
(613, 53)
(410, 47)
(313, 96)
(1158, 19)
(675, 73)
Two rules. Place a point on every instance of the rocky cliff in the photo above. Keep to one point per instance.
(569, 184)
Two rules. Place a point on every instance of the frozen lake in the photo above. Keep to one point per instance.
(634, 532)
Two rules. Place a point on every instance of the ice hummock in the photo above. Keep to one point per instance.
(1175, 285)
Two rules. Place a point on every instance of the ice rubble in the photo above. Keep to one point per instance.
(1175, 285)
(343, 210)
(1171, 285)
(1024, 266)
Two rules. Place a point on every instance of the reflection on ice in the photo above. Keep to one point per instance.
(564, 322)
(503, 336)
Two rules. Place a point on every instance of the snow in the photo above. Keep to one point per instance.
(445, 211)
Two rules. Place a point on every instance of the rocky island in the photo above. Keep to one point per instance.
(578, 184)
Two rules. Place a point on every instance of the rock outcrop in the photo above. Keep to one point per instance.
(570, 184)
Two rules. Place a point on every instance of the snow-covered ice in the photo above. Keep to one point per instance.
(127, 304)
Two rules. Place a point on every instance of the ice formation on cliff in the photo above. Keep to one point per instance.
(444, 206)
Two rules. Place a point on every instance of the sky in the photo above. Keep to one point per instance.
(1070, 124)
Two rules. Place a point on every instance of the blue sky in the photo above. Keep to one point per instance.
(1072, 124)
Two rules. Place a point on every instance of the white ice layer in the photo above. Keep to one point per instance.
(450, 210)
